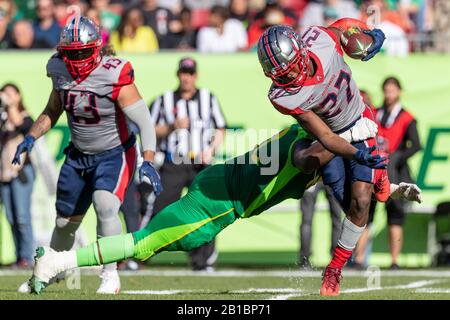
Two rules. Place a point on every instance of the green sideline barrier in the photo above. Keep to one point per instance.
(241, 89)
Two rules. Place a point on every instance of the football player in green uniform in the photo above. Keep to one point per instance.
(219, 195)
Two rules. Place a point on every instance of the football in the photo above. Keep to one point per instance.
(356, 43)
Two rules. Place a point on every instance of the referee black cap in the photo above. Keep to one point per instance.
(187, 65)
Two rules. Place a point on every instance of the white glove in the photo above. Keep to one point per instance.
(406, 191)
(363, 129)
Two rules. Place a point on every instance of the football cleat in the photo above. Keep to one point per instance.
(25, 287)
(49, 264)
(331, 279)
(110, 283)
(382, 188)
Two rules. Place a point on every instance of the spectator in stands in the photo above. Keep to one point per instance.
(223, 34)
(16, 181)
(190, 127)
(315, 11)
(308, 207)
(239, 10)
(441, 22)
(110, 20)
(159, 19)
(392, 24)
(94, 15)
(273, 14)
(183, 35)
(22, 36)
(46, 28)
(61, 13)
(6, 10)
(132, 35)
(288, 13)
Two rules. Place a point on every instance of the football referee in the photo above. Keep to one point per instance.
(190, 127)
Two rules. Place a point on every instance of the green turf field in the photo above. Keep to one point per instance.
(227, 284)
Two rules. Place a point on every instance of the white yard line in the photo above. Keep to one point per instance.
(433, 290)
(287, 273)
(412, 285)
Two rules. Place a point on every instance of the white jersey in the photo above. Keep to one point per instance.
(96, 122)
(332, 93)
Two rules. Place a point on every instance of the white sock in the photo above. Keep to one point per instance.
(350, 235)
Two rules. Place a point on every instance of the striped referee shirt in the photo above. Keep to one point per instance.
(205, 115)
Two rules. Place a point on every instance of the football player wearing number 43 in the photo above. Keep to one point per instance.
(98, 93)
(313, 84)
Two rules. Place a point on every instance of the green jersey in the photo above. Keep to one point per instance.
(266, 176)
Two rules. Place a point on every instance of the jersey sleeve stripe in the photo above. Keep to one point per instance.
(126, 77)
(335, 39)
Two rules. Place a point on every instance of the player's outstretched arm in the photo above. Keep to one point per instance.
(46, 120)
(344, 24)
(135, 108)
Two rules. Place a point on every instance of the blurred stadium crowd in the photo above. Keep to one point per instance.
(220, 25)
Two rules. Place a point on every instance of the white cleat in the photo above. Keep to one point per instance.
(110, 283)
(24, 288)
(49, 264)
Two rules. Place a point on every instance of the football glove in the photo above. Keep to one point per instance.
(406, 191)
(25, 146)
(148, 174)
(378, 39)
(365, 158)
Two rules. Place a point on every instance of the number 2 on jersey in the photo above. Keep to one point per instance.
(333, 97)
(72, 105)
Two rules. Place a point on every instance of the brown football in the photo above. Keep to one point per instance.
(356, 43)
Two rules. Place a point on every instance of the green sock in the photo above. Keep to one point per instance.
(106, 250)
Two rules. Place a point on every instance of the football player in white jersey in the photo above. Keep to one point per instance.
(312, 83)
(98, 93)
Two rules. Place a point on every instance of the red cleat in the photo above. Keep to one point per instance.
(331, 282)
(382, 188)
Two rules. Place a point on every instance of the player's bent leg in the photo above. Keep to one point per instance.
(352, 228)
(107, 206)
(63, 235)
(192, 221)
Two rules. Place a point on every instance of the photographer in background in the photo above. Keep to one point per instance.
(16, 181)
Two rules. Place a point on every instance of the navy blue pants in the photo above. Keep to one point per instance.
(82, 174)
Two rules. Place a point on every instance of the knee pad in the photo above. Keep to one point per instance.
(107, 207)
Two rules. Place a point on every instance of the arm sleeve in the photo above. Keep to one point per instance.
(25, 126)
(138, 113)
(412, 135)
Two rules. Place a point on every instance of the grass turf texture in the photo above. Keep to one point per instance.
(242, 284)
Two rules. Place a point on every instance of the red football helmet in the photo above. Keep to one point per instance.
(80, 45)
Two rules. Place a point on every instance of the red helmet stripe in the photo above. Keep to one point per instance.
(75, 28)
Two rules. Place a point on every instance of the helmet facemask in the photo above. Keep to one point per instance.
(80, 45)
(281, 76)
(283, 56)
(80, 60)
